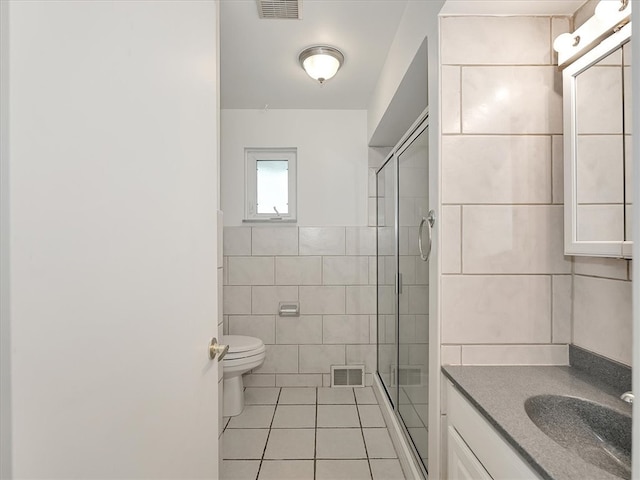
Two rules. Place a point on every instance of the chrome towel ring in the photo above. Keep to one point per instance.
(430, 219)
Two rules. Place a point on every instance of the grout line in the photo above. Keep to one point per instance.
(364, 442)
(551, 305)
(315, 439)
(264, 451)
(551, 169)
(506, 134)
(460, 100)
(551, 51)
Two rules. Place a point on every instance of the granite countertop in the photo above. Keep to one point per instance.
(499, 394)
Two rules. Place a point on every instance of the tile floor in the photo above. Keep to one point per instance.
(309, 433)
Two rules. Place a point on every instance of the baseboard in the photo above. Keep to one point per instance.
(409, 468)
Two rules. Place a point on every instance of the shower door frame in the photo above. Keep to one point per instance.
(419, 126)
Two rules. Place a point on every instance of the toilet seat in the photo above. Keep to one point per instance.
(241, 346)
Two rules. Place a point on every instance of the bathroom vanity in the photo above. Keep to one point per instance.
(497, 418)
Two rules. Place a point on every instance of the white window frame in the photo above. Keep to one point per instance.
(252, 156)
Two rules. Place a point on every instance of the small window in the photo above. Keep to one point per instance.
(270, 184)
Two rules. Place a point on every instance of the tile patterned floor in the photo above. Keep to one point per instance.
(309, 433)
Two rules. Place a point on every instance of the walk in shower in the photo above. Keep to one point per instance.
(404, 234)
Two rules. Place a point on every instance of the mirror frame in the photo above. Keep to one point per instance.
(573, 246)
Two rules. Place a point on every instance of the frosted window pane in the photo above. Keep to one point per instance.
(273, 186)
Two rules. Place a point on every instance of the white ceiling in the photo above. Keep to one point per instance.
(259, 57)
(511, 7)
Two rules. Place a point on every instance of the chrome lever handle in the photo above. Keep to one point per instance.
(217, 349)
(430, 220)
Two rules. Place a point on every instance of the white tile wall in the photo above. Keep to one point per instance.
(562, 301)
(531, 89)
(236, 300)
(305, 329)
(332, 275)
(361, 299)
(237, 241)
(514, 239)
(496, 309)
(557, 169)
(251, 271)
(319, 358)
(602, 317)
(322, 300)
(274, 241)
(299, 380)
(496, 169)
(345, 270)
(467, 41)
(280, 359)
(559, 25)
(322, 240)
(265, 300)
(261, 326)
(515, 354)
(298, 270)
(362, 354)
(451, 247)
(343, 329)
(506, 285)
(360, 240)
(451, 354)
(450, 87)
(602, 267)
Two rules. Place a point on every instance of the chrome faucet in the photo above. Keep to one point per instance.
(627, 397)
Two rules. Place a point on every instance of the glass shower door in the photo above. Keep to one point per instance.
(414, 235)
(386, 274)
(403, 246)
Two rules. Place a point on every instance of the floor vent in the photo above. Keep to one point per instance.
(347, 375)
(279, 8)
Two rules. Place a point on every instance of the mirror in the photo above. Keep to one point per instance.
(598, 179)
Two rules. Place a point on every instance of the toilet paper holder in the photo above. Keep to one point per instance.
(289, 309)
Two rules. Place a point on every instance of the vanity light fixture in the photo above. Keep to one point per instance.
(610, 9)
(610, 16)
(321, 62)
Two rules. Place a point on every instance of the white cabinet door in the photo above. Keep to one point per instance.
(462, 463)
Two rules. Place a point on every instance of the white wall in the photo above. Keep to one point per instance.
(332, 161)
(5, 321)
(418, 21)
(113, 234)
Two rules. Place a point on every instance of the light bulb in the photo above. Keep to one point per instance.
(321, 67)
(564, 42)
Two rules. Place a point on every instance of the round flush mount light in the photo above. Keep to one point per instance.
(321, 62)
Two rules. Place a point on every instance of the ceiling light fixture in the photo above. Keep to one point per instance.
(321, 62)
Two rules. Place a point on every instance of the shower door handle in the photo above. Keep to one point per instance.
(429, 220)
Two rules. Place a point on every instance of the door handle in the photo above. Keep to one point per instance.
(429, 220)
(217, 349)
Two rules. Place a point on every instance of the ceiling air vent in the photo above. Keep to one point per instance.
(279, 8)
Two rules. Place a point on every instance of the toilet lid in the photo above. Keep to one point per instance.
(241, 343)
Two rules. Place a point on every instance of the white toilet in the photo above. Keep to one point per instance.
(245, 353)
